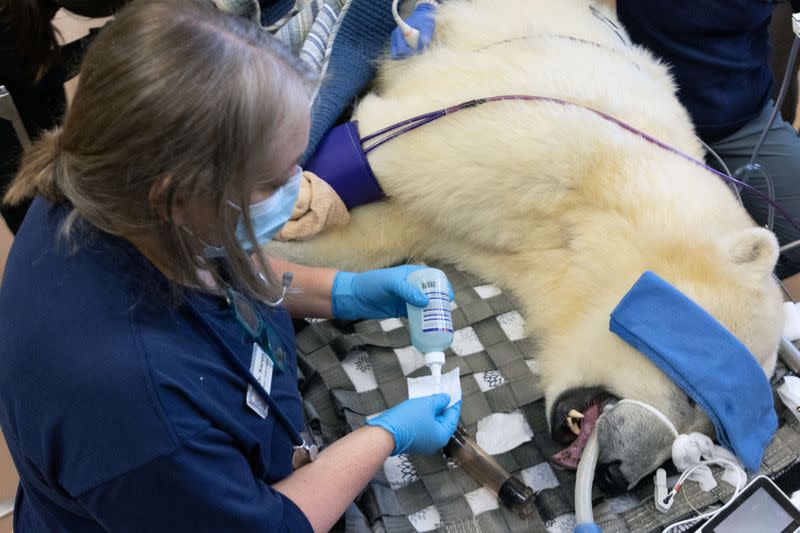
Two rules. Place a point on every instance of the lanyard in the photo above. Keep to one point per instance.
(297, 439)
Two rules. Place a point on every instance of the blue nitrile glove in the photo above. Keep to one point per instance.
(423, 19)
(375, 293)
(420, 426)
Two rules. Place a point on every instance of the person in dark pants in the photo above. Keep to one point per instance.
(33, 67)
(781, 36)
(719, 52)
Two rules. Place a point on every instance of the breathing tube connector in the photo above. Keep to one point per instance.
(411, 35)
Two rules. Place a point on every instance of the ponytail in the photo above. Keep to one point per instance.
(39, 173)
(34, 35)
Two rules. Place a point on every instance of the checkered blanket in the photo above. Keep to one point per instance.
(351, 371)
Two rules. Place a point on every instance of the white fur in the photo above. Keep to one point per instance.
(560, 207)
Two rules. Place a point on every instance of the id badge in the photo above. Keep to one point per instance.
(261, 367)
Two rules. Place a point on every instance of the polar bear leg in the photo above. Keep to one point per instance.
(377, 235)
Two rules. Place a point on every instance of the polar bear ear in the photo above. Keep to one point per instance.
(754, 250)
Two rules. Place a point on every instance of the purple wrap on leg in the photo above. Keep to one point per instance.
(340, 161)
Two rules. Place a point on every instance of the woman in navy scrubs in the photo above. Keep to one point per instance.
(147, 375)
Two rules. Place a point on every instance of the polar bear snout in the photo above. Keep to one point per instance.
(632, 441)
(609, 477)
(568, 408)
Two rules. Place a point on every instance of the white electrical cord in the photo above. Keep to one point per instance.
(588, 463)
(705, 516)
(740, 483)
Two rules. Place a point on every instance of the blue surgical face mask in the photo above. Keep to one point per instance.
(267, 216)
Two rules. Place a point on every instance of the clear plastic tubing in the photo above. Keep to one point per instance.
(583, 481)
(510, 491)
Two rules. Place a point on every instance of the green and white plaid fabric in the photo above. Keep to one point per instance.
(308, 29)
(356, 370)
(352, 371)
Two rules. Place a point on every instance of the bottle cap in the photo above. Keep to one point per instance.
(434, 358)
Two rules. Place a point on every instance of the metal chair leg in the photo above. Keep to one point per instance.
(6, 508)
(8, 111)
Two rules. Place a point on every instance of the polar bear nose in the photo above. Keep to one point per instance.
(568, 408)
(610, 479)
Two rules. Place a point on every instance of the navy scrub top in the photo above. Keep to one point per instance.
(718, 51)
(120, 412)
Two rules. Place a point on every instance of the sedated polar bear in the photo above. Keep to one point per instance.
(559, 206)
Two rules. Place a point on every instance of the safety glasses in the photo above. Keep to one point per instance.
(260, 332)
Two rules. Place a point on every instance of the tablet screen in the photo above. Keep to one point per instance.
(760, 512)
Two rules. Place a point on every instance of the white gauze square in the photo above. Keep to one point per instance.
(426, 386)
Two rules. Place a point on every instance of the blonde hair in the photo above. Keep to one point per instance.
(179, 98)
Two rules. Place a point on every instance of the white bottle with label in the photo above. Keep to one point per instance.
(431, 326)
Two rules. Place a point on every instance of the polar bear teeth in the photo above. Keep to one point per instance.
(574, 421)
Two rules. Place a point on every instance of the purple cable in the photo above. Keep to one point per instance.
(420, 120)
(401, 128)
(411, 120)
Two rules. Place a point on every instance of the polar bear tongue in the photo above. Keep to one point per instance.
(568, 458)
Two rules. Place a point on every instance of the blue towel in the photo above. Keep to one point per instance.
(362, 38)
(711, 365)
